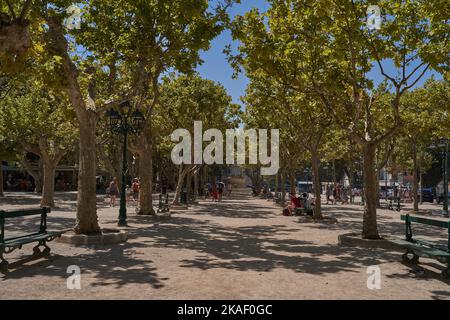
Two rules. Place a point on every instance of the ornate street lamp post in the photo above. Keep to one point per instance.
(125, 121)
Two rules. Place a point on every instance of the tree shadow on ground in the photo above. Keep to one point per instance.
(110, 265)
(257, 248)
(422, 271)
(440, 295)
(233, 209)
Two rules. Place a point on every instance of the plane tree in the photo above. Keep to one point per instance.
(40, 122)
(326, 49)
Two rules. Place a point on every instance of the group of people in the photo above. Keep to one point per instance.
(301, 202)
(337, 193)
(18, 184)
(216, 190)
(132, 192)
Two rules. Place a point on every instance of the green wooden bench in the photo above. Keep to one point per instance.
(8, 245)
(163, 206)
(416, 247)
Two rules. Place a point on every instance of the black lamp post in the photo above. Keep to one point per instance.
(125, 121)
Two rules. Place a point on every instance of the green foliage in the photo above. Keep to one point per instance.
(188, 98)
(31, 112)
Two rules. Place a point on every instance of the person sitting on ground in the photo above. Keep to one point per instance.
(290, 208)
(295, 201)
(308, 203)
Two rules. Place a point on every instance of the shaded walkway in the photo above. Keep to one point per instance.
(239, 248)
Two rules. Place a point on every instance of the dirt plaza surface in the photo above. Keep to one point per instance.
(241, 248)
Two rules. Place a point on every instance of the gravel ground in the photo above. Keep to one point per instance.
(241, 248)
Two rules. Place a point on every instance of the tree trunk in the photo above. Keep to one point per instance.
(283, 187)
(316, 182)
(205, 175)
(1, 179)
(420, 182)
(276, 186)
(146, 179)
(188, 185)
(370, 228)
(292, 182)
(258, 181)
(87, 219)
(37, 175)
(377, 178)
(350, 184)
(196, 182)
(48, 189)
(181, 175)
(415, 177)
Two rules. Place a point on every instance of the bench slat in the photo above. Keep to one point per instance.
(14, 242)
(431, 252)
(430, 222)
(24, 213)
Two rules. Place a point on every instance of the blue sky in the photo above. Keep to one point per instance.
(216, 67)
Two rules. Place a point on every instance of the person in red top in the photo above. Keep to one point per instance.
(295, 202)
(214, 193)
(290, 209)
(136, 187)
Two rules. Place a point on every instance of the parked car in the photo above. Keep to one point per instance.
(427, 195)
(440, 198)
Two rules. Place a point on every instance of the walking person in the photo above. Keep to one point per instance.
(329, 192)
(136, 187)
(113, 192)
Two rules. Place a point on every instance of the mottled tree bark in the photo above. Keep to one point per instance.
(146, 179)
(182, 171)
(292, 182)
(370, 229)
(276, 185)
(48, 189)
(188, 185)
(415, 189)
(196, 182)
(283, 187)
(87, 220)
(1, 180)
(316, 182)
